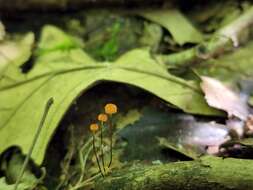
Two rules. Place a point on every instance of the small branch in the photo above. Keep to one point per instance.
(227, 38)
(209, 173)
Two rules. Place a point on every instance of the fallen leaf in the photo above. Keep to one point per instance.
(245, 142)
(221, 97)
(64, 75)
(176, 23)
(165, 142)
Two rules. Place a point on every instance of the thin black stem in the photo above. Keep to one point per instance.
(27, 158)
(110, 131)
(101, 144)
(95, 153)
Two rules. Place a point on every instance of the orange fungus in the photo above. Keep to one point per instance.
(110, 108)
(94, 127)
(102, 117)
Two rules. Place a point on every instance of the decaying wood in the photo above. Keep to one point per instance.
(209, 173)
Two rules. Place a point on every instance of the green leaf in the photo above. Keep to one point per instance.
(245, 142)
(176, 23)
(165, 142)
(65, 78)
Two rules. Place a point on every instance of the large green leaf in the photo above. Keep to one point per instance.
(176, 23)
(64, 75)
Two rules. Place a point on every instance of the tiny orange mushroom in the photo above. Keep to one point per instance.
(110, 108)
(102, 117)
(94, 127)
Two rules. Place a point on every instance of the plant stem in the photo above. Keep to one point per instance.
(46, 110)
(110, 133)
(83, 160)
(86, 182)
(95, 153)
(101, 144)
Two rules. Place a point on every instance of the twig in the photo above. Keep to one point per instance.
(110, 131)
(101, 144)
(226, 38)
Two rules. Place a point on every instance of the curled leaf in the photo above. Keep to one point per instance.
(219, 96)
(176, 23)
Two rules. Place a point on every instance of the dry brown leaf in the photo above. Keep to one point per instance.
(221, 97)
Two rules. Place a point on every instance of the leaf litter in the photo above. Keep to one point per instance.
(63, 69)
